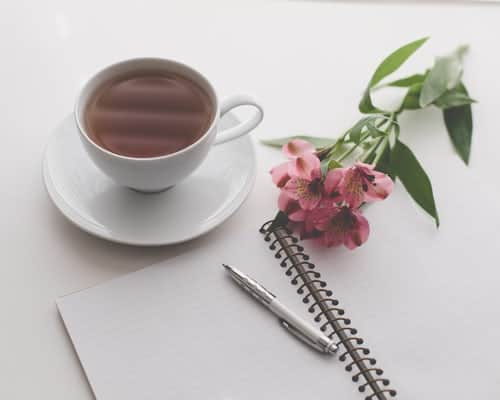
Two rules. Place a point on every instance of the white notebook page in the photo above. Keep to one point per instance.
(183, 330)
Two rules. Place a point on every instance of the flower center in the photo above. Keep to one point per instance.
(315, 186)
(344, 221)
(308, 190)
(355, 183)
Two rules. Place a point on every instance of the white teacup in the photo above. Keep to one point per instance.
(159, 173)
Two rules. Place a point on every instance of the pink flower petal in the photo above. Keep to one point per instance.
(305, 233)
(332, 183)
(359, 234)
(284, 201)
(366, 168)
(380, 188)
(297, 214)
(322, 224)
(316, 173)
(309, 203)
(321, 217)
(299, 189)
(290, 207)
(333, 239)
(307, 191)
(308, 222)
(341, 225)
(280, 175)
(297, 147)
(307, 230)
(304, 167)
(351, 187)
(291, 188)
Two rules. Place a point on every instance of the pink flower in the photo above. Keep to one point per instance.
(296, 148)
(332, 189)
(304, 166)
(305, 184)
(327, 207)
(291, 207)
(361, 183)
(279, 174)
(341, 225)
(296, 214)
(301, 156)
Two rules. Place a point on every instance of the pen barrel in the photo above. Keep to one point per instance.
(287, 315)
(307, 331)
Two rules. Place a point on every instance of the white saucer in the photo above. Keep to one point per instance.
(93, 202)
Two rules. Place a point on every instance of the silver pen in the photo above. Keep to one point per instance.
(290, 321)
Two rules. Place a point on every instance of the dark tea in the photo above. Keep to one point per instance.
(148, 114)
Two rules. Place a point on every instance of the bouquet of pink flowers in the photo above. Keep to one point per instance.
(323, 197)
(327, 205)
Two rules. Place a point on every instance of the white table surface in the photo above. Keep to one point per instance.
(308, 63)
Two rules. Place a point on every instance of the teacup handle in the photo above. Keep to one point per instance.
(243, 127)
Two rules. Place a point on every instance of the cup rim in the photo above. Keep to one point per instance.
(202, 77)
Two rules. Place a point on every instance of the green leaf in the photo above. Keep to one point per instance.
(411, 100)
(317, 142)
(415, 180)
(397, 131)
(384, 163)
(374, 131)
(334, 164)
(357, 128)
(444, 75)
(453, 98)
(366, 106)
(328, 164)
(408, 81)
(370, 158)
(458, 121)
(390, 64)
(395, 60)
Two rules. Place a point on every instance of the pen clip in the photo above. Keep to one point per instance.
(323, 347)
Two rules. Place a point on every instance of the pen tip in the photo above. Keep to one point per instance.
(226, 266)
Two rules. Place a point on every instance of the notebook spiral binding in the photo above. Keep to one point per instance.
(328, 313)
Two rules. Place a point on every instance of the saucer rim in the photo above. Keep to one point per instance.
(84, 224)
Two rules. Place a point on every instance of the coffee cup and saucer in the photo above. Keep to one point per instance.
(151, 156)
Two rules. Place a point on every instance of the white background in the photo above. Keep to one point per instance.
(308, 63)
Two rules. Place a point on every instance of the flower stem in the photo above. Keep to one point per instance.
(367, 154)
(348, 152)
(326, 152)
(340, 140)
(383, 145)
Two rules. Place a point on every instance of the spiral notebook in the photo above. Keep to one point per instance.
(182, 330)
